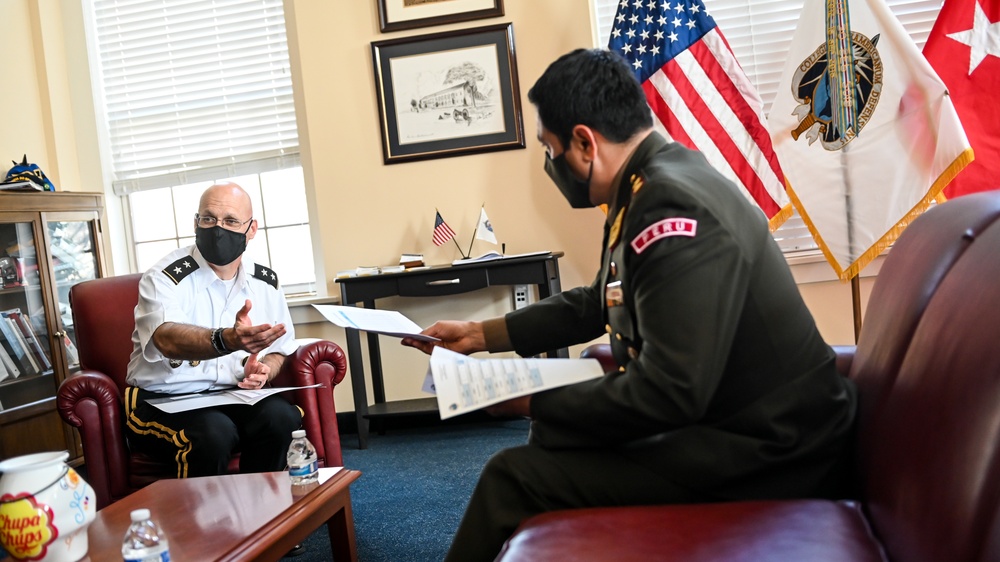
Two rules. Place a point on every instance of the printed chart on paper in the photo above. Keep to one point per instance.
(464, 384)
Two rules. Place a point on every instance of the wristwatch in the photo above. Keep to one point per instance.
(218, 343)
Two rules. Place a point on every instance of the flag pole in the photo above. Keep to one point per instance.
(856, 303)
(474, 232)
(453, 238)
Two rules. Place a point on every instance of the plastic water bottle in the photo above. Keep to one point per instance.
(144, 541)
(302, 466)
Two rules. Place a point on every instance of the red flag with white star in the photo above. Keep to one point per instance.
(964, 49)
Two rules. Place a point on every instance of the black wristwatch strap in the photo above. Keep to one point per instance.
(218, 343)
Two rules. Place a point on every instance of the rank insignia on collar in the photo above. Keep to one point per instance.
(180, 269)
(616, 229)
(637, 184)
(266, 275)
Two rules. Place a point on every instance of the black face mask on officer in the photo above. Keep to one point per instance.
(577, 192)
(220, 246)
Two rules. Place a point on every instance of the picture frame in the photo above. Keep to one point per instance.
(396, 15)
(448, 94)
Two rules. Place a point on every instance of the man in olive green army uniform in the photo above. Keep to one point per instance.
(724, 390)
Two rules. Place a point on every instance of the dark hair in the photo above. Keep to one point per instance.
(592, 87)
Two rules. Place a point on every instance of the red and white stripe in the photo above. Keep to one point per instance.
(693, 98)
(442, 233)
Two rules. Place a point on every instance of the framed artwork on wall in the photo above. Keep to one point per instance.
(448, 94)
(394, 15)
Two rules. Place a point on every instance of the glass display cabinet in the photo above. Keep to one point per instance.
(48, 243)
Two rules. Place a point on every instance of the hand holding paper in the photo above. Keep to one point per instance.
(458, 336)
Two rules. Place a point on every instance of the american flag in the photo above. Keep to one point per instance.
(700, 94)
(442, 232)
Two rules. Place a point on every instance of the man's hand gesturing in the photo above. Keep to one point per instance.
(255, 374)
(248, 337)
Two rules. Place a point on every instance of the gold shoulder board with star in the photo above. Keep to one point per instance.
(180, 269)
(266, 275)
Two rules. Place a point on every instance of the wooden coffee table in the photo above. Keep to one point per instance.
(233, 517)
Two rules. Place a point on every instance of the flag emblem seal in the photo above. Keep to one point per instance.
(811, 88)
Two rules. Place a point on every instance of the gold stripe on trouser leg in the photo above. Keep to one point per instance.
(157, 430)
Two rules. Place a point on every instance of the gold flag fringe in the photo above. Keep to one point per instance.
(775, 222)
(933, 194)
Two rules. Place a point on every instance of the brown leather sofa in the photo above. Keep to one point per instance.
(91, 400)
(927, 366)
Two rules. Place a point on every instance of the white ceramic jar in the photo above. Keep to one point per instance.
(45, 508)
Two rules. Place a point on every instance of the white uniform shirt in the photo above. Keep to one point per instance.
(182, 288)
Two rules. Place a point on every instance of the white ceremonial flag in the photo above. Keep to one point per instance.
(870, 139)
(484, 230)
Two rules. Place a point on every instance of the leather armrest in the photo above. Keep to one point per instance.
(845, 356)
(322, 362)
(91, 402)
(601, 352)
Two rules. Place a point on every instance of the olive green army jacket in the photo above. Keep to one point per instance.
(724, 382)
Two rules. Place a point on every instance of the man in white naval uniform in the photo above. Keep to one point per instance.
(206, 320)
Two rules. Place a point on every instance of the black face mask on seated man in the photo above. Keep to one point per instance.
(577, 192)
(220, 246)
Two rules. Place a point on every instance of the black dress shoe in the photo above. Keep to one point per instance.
(296, 551)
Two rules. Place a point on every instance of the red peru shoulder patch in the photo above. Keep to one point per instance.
(663, 229)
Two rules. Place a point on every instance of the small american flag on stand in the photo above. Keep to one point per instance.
(442, 232)
(700, 94)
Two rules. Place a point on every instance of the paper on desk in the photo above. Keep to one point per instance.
(464, 384)
(327, 472)
(386, 322)
(494, 255)
(235, 396)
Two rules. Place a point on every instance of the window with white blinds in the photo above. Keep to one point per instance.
(194, 90)
(760, 33)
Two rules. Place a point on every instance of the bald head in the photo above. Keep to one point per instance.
(227, 198)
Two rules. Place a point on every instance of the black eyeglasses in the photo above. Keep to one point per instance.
(207, 221)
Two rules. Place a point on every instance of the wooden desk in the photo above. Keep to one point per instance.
(436, 281)
(232, 517)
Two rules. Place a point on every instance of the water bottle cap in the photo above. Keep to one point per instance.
(140, 515)
(298, 433)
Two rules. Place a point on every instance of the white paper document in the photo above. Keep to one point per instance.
(494, 255)
(464, 384)
(386, 322)
(185, 402)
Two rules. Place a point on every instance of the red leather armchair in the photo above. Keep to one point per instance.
(91, 400)
(927, 455)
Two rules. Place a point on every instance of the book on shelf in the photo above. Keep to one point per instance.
(8, 362)
(24, 324)
(36, 367)
(3, 372)
(411, 260)
(72, 355)
(12, 342)
(20, 185)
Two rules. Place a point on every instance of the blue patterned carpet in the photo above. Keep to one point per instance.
(414, 487)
